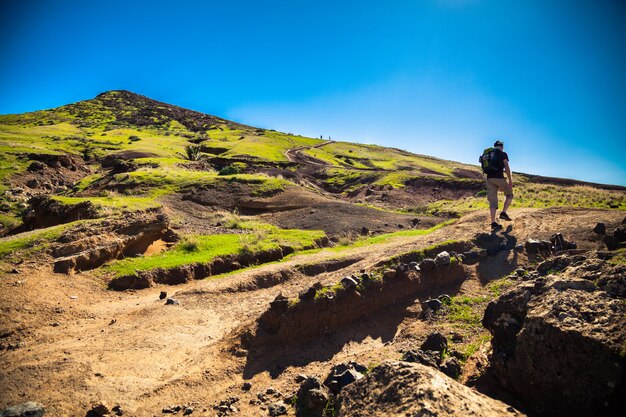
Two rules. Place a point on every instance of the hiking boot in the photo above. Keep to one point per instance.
(504, 216)
(496, 226)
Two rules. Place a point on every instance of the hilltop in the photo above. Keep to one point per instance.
(280, 256)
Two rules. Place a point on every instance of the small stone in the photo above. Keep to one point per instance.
(442, 259)
(277, 409)
(172, 301)
(451, 367)
(15, 271)
(600, 229)
(188, 411)
(73, 297)
(118, 410)
(432, 304)
(427, 264)
(436, 342)
(99, 409)
(300, 377)
(389, 273)
(349, 282)
(246, 386)
(163, 295)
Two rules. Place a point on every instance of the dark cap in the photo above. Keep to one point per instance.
(498, 143)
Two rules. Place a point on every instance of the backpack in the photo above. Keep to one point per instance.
(489, 161)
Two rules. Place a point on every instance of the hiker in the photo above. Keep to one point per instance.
(494, 161)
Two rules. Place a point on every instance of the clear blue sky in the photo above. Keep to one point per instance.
(439, 77)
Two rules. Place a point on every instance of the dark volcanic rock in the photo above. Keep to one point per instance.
(560, 338)
(312, 398)
(343, 375)
(435, 341)
(600, 228)
(408, 389)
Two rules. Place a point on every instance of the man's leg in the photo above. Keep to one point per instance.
(492, 211)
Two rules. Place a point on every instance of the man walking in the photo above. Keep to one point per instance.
(495, 167)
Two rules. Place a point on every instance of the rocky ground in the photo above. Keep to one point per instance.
(208, 347)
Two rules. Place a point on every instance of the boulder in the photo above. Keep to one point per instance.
(560, 338)
(410, 389)
(312, 398)
(27, 409)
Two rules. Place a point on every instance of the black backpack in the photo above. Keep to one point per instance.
(489, 161)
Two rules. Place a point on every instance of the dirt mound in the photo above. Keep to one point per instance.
(45, 212)
(298, 208)
(321, 310)
(87, 247)
(402, 388)
(550, 334)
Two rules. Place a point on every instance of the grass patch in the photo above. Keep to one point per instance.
(464, 311)
(205, 248)
(33, 241)
(112, 203)
(539, 196)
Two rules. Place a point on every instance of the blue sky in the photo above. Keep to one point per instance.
(438, 77)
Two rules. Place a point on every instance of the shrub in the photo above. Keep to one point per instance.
(234, 168)
(134, 138)
(192, 153)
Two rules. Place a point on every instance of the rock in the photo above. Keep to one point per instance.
(560, 337)
(32, 183)
(519, 247)
(534, 247)
(309, 294)
(600, 229)
(389, 273)
(277, 409)
(312, 398)
(300, 378)
(188, 411)
(427, 264)
(36, 166)
(349, 282)
(246, 386)
(343, 375)
(365, 231)
(435, 341)
(430, 358)
(27, 409)
(410, 389)
(415, 221)
(117, 410)
(99, 409)
(451, 367)
(172, 301)
(280, 303)
(163, 295)
(433, 304)
(402, 268)
(442, 259)
(470, 257)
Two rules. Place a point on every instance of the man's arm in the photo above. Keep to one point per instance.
(508, 172)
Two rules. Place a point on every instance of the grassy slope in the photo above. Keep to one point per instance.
(119, 121)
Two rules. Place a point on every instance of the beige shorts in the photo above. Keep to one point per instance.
(493, 185)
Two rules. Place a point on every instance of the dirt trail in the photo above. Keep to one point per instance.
(130, 348)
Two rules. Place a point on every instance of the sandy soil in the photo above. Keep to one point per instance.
(69, 342)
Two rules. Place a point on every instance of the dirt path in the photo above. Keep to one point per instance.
(130, 348)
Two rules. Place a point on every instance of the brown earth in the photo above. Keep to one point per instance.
(68, 342)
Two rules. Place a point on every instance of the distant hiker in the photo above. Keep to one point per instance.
(494, 161)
